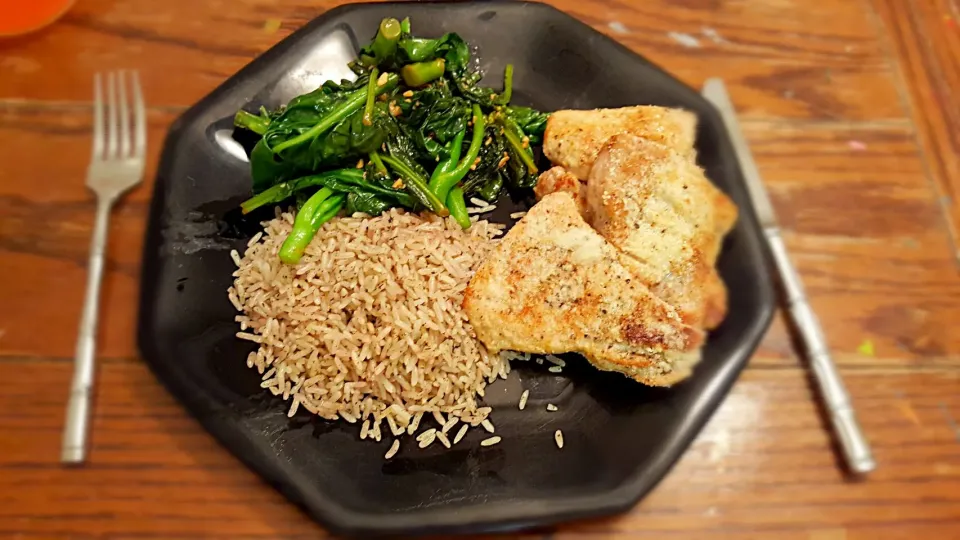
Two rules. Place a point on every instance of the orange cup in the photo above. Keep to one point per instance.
(23, 16)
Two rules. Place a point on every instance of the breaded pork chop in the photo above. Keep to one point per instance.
(553, 285)
(573, 139)
(656, 205)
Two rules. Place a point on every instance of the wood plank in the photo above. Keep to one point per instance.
(878, 269)
(763, 465)
(781, 59)
(863, 227)
(46, 219)
(925, 36)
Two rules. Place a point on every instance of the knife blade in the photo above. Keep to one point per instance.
(853, 443)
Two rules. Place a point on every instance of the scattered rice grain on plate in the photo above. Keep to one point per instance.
(523, 399)
(461, 433)
(427, 441)
(555, 369)
(321, 322)
(558, 437)
(442, 437)
(394, 448)
(488, 425)
(556, 360)
(491, 441)
(427, 433)
(551, 407)
(450, 423)
(482, 209)
(517, 215)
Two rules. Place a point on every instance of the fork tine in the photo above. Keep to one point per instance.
(97, 152)
(124, 114)
(140, 117)
(111, 115)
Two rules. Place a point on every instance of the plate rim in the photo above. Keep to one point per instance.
(490, 517)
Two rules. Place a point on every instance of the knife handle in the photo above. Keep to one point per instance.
(854, 444)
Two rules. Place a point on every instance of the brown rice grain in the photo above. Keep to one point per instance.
(491, 441)
(461, 433)
(394, 448)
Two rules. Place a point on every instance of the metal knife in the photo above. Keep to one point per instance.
(856, 449)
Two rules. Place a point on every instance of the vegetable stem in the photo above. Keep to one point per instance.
(385, 43)
(447, 180)
(347, 178)
(421, 73)
(377, 162)
(448, 164)
(371, 95)
(510, 131)
(303, 231)
(253, 122)
(458, 207)
(417, 186)
(507, 85)
(351, 105)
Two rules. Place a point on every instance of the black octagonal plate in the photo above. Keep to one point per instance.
(620, 437)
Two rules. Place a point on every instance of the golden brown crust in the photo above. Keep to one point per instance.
(655, 204)
(573, 138)
(553, 285)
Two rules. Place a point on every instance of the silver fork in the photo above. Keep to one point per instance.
(116, 165)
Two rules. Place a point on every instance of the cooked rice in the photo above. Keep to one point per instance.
(461, 433)
(394, 448)
(517, 215)
(488, 425)
(427, 441)
(482, 209)
(491, 441)
(368, 326)
(558, 438)
(555, 369)
(551, 407)
(523, 399)
(556, 360)
(442, 437)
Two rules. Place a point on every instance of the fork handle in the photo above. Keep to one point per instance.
(74, 446)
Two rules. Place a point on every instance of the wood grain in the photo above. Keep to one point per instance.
(851, 110)
(925, 35)
(780, 59)
(763, 465)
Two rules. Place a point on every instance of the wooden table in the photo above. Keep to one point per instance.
(853, 111)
